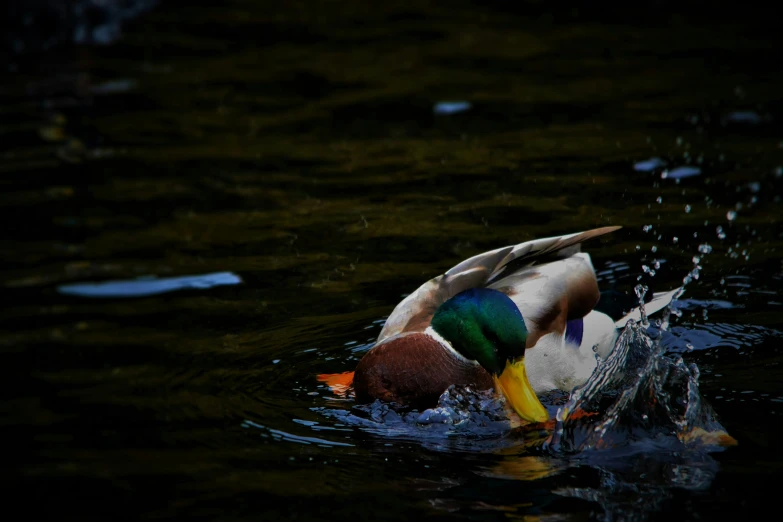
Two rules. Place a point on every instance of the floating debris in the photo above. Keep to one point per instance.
(648, 165)
(680, 172)
(749, 117)
(145, 286)
(114, 86)
(451, 107)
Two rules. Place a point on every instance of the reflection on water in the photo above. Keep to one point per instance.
(289, 437)
(451, 107)
(145, 286)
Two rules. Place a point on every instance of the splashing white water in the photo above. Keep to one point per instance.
(637, 392)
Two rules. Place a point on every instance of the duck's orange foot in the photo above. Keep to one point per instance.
(702, 436)
(338, 383)
(551, 423)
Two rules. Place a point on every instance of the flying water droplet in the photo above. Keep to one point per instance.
(731, 215)
(687, 209)
(641, 291)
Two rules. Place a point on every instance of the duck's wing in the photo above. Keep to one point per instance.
(551, 294)
(500, 268)
(415, 312)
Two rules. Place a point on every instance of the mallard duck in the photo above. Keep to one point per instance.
(521, 319)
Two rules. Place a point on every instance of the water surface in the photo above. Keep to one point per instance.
(301, 148)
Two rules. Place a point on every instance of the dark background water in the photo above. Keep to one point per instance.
(295, 144)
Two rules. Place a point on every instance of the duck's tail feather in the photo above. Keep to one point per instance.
(659, 301)
(338, 383)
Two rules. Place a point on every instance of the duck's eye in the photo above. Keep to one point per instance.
(492, 338)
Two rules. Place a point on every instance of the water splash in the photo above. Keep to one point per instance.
(638, 393)
(641, 291)
(465, 419)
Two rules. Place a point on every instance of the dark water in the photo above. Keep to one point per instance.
(297, 146)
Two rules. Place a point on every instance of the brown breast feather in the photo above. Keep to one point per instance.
(413, 370)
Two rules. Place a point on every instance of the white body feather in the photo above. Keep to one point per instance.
(556, 364)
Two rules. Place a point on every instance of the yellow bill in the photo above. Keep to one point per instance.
(514, 385)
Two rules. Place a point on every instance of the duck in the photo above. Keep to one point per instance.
(523, 320)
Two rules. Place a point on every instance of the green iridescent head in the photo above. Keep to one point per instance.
(484, 325)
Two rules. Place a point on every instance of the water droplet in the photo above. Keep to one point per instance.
(720, 232)
(659, 200)
(675, 239)
(647, 228)
(705, 248)
(654, 249)
(731, 215)
(638, 247)
(687, 209)
(641, 290)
